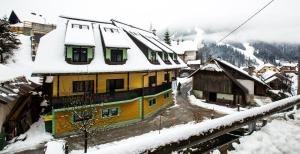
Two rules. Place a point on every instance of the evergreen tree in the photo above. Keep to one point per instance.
(8, 41)
(167, 38)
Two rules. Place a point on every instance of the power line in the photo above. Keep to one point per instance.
(246, 21)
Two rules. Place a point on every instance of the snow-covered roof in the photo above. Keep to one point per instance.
(267, 74)
(31, 17)
(8, 74)
(289, 64)
(181, 47)
(145, 41)
(265, 65)
(79, 36)
(211, 67)
(114, 36)
(194, 62)
(153, 39)
(240, 70)
(271, 79)
(52, 47)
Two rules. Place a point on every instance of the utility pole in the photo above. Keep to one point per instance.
(298, 90)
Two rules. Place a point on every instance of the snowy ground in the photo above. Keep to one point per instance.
(278, 137)
(218, 108)
(36, 136)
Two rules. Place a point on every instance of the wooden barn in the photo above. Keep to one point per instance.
(221, 82)
(279, 82)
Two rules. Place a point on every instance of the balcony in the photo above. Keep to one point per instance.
(71, 101)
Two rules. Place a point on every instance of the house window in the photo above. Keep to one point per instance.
(167, 77)
(82, 116)
(111, 112)
(116, 55)
(113, 84)
(175, 57)
(152, 101)
(80, 26)
(166, 95)
(80, 55)
(83, 86)
(152, 81)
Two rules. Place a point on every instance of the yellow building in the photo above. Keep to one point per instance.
(107, 73)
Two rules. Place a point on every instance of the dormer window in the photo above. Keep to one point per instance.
(79, 54)
(115, 56)
(152, 57)
(80, 26)
(112, 30)
(174, 57)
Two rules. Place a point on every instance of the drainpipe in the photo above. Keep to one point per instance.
(142, 105)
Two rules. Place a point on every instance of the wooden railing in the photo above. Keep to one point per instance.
(68, 101)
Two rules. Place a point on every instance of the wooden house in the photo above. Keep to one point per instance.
(221, 82)
(128, 72)
(268, 67)
(186, 50)
(17, 108)
(289, 68)
(30, 24)
(278, 81)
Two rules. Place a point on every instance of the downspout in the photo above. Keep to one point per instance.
(142, 105)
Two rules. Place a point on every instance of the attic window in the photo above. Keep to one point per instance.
(112, 30)
(80, 26)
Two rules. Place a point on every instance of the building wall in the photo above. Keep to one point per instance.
(130, 111)
(63, 118)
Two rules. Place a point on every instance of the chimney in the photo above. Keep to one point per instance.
(154, 31)
(251, 70)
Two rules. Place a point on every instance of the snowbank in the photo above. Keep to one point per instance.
(277, 137)
(218, 108)
(36, 136)
(55, 147)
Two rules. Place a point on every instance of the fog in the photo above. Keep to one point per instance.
(278, 22)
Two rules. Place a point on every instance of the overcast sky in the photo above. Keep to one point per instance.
(279, 22)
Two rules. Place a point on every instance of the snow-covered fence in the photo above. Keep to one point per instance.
(217, 127)
(187, 135)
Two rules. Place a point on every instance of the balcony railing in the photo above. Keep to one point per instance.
(98, 98)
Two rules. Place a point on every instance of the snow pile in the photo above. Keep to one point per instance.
(22, 61)
(277, 137)
(267, 74)
(55, 147)
(218, 108)
(36, 136)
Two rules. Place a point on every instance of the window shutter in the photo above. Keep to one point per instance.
(69, 52)
(108, 54)
(124, 54)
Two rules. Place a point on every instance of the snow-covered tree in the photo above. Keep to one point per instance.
(167, 38)
(8, 41)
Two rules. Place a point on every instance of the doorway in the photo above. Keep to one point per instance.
(212, 97)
